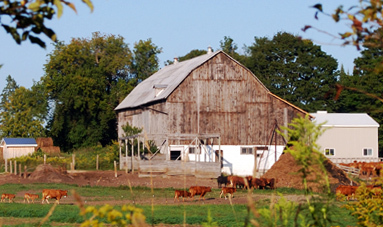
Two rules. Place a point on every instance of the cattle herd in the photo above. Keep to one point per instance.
(366, 168)
(46, 194)
(235, 182)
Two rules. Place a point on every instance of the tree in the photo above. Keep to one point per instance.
(86, 80)
(145, 60)
(23, 111)
(229, 47)
(295, 70)
(27, 18)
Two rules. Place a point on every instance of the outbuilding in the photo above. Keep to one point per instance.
(348, 137)
(209, 110)
(16, 147)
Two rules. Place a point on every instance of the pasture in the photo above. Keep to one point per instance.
(158, 206)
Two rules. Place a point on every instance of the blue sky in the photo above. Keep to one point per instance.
(177, 26)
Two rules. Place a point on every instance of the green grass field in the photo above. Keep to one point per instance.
(192, 213)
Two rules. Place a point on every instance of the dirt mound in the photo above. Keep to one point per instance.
(285, 170)
(46, 173)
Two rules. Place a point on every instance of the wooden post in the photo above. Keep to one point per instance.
(73, 161)
(10, 167)
(15, 167)
(45, 159)
(126, 156)
(20, 169)
(255, 163)
(115, 169)
(97, 162)
(25, 172)
(6, 165)
(132, 155)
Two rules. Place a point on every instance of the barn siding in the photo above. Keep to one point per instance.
(219, 97)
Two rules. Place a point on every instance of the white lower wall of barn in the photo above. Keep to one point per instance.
(14, 152)
(233, 161)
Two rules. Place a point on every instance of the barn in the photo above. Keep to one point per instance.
(209, 111)
(348, 137)
(16, 147)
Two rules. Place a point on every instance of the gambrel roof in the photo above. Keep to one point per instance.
(352, 120)
(166, 79)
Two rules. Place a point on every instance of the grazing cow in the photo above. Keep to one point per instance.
(179, 193)
(346, 190)
(222, 180)
(229, 191)
(269, 182)
(199, 190)
(241, 182)
(10, 197)
(53, 194)
(258, 183)
(32, 197)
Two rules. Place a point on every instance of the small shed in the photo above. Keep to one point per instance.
(16, 147)
(348, 137)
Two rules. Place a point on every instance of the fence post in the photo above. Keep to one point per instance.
(97, 162)
(73, 161)
(25, 172)
(10, 166)
(15, 167)
(6, 165)
(115, 169)
(45, 159)
(20, 169)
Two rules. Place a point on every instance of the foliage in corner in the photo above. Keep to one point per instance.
(27, 18)
(302, 136)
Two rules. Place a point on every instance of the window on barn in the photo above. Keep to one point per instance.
(193, 150)
(159, 88)
(247, 150)
(367, 151)
(329, 151)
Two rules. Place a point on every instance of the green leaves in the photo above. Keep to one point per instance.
(27, 18)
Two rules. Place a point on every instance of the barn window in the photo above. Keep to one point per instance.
(247, 150)
(159, 88)
(329, 151)
(193, 150)
(367, 151)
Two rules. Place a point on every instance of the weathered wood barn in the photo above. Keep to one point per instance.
(207, 109)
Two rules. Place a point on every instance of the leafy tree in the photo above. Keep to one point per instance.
(145, 60)
(192, 54)
(86, 80)
(23, 112)
(229, 47)
(26, 19)
(294, 69)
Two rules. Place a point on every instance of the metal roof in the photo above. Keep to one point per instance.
(166, 80)
(19, 142)
(344, 119)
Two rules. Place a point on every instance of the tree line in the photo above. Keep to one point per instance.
(74, 101)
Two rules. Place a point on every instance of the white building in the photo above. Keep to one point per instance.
(348, 136)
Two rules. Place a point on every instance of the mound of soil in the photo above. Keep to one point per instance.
(285, 170)
(46, 173)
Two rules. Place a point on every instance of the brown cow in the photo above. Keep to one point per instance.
(241, 182)
(229, 191)
(179, 193)
(346, 190)
(199, 190)
(10, 197)
(32, 197)
(258, 183)
(269, 182)
(53, 194)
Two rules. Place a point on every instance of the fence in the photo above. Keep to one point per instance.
(351, 160)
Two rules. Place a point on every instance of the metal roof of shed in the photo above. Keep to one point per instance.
(26, 142)
(344, 119)
(168, 79)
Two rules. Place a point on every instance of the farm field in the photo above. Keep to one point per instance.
(155, 196)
